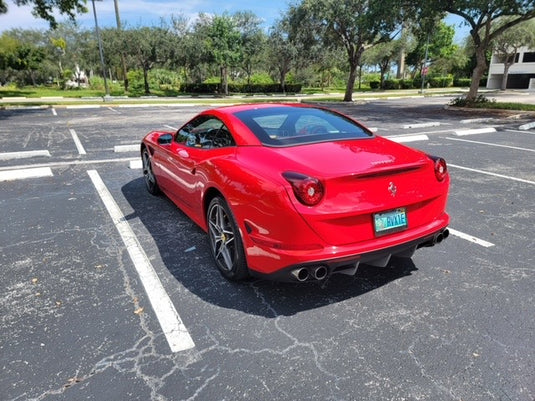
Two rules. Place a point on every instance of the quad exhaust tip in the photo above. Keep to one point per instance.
(316, 273)
(442, 236)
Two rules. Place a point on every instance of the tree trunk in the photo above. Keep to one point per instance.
(146, 80)
(32, 77)
(401, 65)
(224, 80)
(355, 53)
(282, 75)
(348, 97)
(382, 79)
(125, 72)
(477, 74)
(506, 67)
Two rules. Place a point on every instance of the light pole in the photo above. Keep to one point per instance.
(101, 52)
(425, 69)
(123, 59)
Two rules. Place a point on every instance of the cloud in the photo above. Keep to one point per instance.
(142, 12)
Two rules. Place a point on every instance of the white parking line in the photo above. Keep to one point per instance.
(83, 106)
(77, 142)
(407, 138)
(491, 144)
(527, 126)
(136, 164)
(170, 127)
(70, 163)
(471, 238)
(21, 174)
(54, 113)
(126, 148)
(492, 174)
(24, 154)
(477, 131)
(520, 132)
(422, 125)
(176, 333)
(477, 120)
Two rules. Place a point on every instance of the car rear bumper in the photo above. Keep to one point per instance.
(320, 269)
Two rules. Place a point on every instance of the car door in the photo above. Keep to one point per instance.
(201, 139)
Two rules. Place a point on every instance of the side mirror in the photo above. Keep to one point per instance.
(165, 139)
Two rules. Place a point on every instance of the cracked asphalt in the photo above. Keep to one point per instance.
(454, 323)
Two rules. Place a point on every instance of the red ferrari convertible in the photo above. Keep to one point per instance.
(297, 192)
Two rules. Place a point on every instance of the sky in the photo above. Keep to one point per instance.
(136, 13)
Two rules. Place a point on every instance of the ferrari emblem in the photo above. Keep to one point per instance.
(392, 189)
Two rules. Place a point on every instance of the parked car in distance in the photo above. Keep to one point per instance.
(296, 192)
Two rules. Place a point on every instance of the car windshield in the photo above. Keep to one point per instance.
(286, 126)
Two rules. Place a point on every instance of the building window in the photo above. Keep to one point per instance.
(501, 58)
(529, 57)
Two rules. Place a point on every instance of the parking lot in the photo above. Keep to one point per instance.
(110, 293)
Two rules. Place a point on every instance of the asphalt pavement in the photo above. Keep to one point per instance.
(79, 234)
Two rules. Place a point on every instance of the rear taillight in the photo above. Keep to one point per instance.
(308, 190)
(441, 168)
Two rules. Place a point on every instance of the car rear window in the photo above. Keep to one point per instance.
(287, 126)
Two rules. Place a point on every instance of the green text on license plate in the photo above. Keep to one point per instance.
(394, 220)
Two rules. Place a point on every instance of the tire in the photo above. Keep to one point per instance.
(148, 174)
(225, 241)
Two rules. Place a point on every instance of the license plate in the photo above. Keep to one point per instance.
(394, 220)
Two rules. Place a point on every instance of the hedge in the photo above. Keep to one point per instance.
(462, 82)
(406, 84)
(391, 84)
(441, 82)
(214, 88)
(375, 84)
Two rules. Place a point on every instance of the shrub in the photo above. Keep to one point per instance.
(261, 78)
(200, 88)
(164, 79)
(211, 88)
(406, 83)
(136, 83)
(375, 84)
(417, 82)
(462, 82)
(441, 82)
(462, 101)
(391, 84)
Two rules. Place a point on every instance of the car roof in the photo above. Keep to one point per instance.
(231, 109)
(242, 134)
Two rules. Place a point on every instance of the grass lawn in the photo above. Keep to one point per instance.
(504, 106)
(47, 95)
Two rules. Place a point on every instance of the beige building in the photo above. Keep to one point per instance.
(521, 74)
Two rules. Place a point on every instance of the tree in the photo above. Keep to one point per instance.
(352, 24)
(382, 55)
(507, 45)
(282, 52)
(437, 42)
(224, 43)
(253, 40)
(26, 54)
(482, 16)
(146, 47)
(8, 49)
(45, 8)
(67, 46)
(189, 50)
(28, 58)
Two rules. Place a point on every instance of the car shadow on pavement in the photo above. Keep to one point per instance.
(183, 249)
